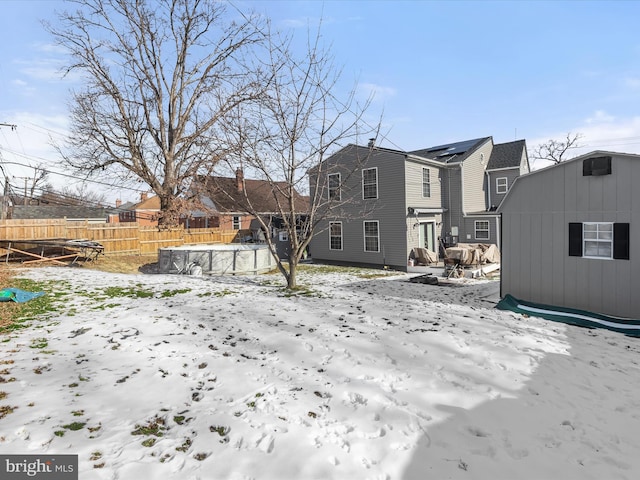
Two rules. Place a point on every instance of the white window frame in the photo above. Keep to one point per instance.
(476, 229)
(365, 236)
(426, 185)
(502, 185)
(370, 184)
(331, 236)
(334, 193)
(236, 222)
(598, 237)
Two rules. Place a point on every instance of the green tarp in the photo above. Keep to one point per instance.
(571, 316)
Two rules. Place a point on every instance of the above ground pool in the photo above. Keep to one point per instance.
(216, 259)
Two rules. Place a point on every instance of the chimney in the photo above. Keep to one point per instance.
(239, 179)
(143, 196)
(372, 142)
(118, 203)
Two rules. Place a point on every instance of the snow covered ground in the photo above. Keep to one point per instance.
(175, 377)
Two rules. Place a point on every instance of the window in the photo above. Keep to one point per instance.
(596, 166)
(237, 222)
(370, 183)
(426, 183)
(371, 236)
(334, 186)
(502, 185)
(482, 229)
(599, 240)
(335, 235)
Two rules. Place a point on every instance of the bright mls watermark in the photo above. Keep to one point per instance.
(49, 467)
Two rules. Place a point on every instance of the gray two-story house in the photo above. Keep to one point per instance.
(391, 201)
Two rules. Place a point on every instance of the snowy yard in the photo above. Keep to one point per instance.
(175, 377)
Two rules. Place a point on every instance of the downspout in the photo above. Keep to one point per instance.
(501, 255)
(488, 190)
(464, 213)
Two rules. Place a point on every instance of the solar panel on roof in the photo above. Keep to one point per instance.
(455, 148)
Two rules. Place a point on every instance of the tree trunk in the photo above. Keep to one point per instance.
(169, 215)
(293, 266)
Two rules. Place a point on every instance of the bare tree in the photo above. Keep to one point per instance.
(288, 132)
(158, 78)
(67, 195)
(555, 150)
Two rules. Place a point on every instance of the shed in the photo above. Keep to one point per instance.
(568, 235)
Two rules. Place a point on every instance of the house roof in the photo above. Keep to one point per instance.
(151, 203)
(260, 195)
(451, 152)
(59, 211)
(506, 155)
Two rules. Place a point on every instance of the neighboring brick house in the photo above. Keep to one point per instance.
(145, 212)
(229, 199)
(429, 198)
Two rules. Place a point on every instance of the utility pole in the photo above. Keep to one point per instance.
(5, 199)
(25, 201)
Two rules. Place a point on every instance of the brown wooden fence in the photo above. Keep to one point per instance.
(117, 238)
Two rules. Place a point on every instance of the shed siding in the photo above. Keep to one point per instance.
(536, 213)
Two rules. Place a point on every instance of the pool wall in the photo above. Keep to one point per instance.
(217, 259)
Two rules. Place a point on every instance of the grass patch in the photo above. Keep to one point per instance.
(355, 271)
(172, 293)
(15, 316)
(6, 410)
(149, 442)
(220, 430)
(185, 445)
(74, 426)
(123, 264)
(115, 292)
(39, 343)
(155, 427)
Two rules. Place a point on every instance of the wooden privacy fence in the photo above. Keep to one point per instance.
(117, 238)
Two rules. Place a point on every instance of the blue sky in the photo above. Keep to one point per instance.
(439, 71)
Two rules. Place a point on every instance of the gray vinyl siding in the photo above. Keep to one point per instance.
(413, 175)
(496, 198)
(475, 198)
(389, 209)
(469, 228)
(535, 218)
(452, 200)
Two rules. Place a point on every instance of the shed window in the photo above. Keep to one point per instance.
(370, 183)
(335, 236)
(482, 229)
(237, 222)
(426, 183)
(334, 186)
(599, 240)
(371, 236)
(596, 166)
(502, 185)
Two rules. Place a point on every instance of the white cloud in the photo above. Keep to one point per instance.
(600, 131)
(600, 116)
(632, 82)
(376, 92)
